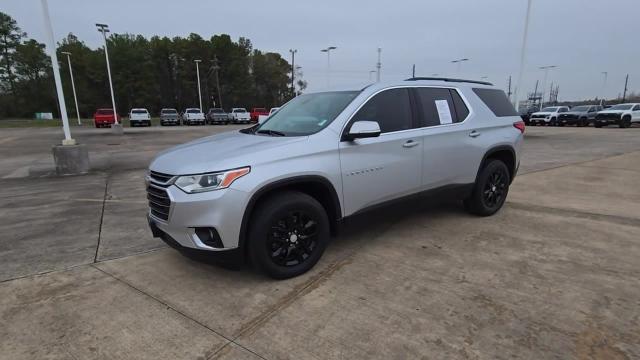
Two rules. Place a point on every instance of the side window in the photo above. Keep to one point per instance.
(461, 109)
(390, 108)
(497, 101)
(636, 108)
(436, 105)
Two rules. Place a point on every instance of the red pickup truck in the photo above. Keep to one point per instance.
(104, 118)
(256, 112)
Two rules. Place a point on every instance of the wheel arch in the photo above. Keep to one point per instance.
(316, 186)
(506, 154)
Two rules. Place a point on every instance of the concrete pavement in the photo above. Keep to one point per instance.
(553, 275)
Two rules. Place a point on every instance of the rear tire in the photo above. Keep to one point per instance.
(625, 122)
(490, 190)
(289, 231)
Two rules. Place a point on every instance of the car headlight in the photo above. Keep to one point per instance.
(208, 182)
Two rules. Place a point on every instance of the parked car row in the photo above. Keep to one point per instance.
(191, 116)
(622, 115)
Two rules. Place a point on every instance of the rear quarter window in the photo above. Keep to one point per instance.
(497, 101)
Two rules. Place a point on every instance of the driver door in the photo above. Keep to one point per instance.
(382, 168)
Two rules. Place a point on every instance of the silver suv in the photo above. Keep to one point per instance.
(275, 192)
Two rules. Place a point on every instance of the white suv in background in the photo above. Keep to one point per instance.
(548, 115)
(276, 191)
(622, 115)
(240, 116)
(193, 116)
(139, 117)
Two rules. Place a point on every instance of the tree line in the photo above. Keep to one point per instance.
(153, 73)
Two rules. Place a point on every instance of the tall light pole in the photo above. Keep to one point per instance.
(104, 29)
(56, 74)
(198, 75)
(328, 51)
(378, 65)
(523, 53)
(458, 62)
(604, 87)
(293, 70)
(372, 72)
(544, 82)
(73, 85)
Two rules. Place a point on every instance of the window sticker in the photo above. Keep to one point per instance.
(444, 113)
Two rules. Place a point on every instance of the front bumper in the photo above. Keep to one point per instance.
(231, 257)
(221, 210)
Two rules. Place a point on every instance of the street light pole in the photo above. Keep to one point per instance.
(544, 82)
(604, 87)
(56, 74)
(458, 63)
(198, 75)
(293, 71)
(378, 65)
(372, 72)
(328, 51)
(73, 85)
(523, 53)
(104, 29)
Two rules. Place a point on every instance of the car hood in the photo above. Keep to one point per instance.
(542, 113)
(574, 113)
(611, 111)
(218, 152)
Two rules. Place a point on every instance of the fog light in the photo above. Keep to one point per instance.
(209, 236)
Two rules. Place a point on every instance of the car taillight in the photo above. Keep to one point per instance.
(519, 125)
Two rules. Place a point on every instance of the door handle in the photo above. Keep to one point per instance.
(474, 134)
(410, 144)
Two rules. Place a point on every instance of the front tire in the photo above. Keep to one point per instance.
(625, 122)
(490, 190)
(288, 234)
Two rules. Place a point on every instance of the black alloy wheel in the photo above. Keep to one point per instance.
(495, 188)
(490, 190)
(293, 239)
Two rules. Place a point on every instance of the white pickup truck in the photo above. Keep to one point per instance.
(262, 118)
(548, 116)
(139, 117)
(193, 116)
(240, 116)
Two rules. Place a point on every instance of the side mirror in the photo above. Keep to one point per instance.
(363, 129)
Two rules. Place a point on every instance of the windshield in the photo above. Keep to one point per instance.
(549, 109)
(308, 114)
(239, 110)
(138, 111)
(169, 111)
(193, 111)
(621, 107)
(580, 108)
(105, 112)
(217, 111)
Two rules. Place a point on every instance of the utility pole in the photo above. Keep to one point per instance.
(293, 71)
(378, 65)
(216, 67)
(544, 83)
(509, 89)
(104, 29)
(535, 93)
(73, 85)
(413, 72)
(604, 88)
(198, 75)
(523, 53)
(626, 83)
(56, 75)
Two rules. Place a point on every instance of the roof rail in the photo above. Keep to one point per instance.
(449, 80)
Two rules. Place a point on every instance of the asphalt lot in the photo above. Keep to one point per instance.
(554, 275)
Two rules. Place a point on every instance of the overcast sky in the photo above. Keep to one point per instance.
(582, 37)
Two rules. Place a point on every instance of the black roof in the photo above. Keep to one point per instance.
(449, 80)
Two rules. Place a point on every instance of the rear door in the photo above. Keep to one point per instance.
(450, 151)
(386, 167)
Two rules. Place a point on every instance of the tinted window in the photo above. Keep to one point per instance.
(497, 101)
(428, 100)
(636, 108)
(390, 108)
(461, 108)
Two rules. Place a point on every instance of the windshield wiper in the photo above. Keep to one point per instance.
(271, 132)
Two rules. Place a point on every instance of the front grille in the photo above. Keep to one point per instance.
(159, 202)
(568, 116)
(612, 116)
(160, 177)
(538, 116)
